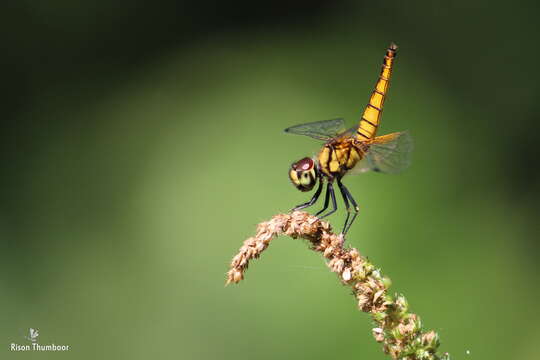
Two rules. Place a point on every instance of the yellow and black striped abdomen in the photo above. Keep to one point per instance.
(370, 120)
(336, 158)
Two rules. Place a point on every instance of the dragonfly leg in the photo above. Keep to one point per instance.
(326, 200)
(354, 204)
(330, 190)
(313, 199)
(346, 201)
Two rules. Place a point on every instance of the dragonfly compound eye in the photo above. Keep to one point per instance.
(303, 174)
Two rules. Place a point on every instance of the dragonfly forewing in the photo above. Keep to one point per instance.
(321, 130)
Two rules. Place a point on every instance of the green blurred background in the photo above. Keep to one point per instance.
(142, 142)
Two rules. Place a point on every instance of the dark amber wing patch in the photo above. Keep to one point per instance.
(389, 154)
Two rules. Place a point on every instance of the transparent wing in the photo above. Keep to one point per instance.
(322, 130)
(389, 154)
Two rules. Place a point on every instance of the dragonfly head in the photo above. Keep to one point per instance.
(303, 174)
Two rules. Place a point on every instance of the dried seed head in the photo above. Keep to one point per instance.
(378, 334)
(346, 275)
(398, 330)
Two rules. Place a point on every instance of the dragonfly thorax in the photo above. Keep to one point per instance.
(337, 157)
(304, 174)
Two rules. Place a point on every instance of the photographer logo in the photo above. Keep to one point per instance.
(35, 346)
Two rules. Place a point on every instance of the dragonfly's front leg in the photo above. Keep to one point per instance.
(326, 199)
(329, 190)
(313, 199)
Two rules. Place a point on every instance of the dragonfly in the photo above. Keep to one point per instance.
(351, 151)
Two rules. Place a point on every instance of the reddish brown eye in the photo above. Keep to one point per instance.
(303, 164)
